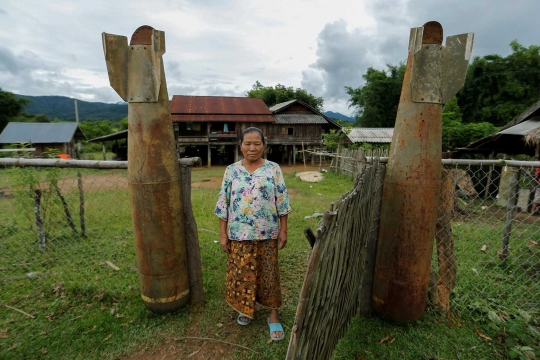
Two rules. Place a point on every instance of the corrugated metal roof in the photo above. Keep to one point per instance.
(218, 105)
(300, 119)
(280, 106)
(223, 118)
(114, 136)
(522, 128)
(40, 133)
(371, 135)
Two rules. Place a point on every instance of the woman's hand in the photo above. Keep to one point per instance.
(225, 243)
(282, 239)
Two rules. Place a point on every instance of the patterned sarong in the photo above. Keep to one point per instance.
(253, 276)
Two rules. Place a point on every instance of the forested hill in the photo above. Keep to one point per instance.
(63, 108)
(340, 116)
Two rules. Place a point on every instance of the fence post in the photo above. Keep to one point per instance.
(446, 278)
(81, 203)
(490, 174)
(193, 250)
(513, 189)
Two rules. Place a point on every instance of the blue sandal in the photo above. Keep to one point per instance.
(242, 322)
(275, 327)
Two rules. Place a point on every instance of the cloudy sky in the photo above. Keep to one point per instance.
(221, 47)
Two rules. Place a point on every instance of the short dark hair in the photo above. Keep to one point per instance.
(252, 129)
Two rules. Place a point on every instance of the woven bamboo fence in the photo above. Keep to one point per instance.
(338, 282)
(348, 162)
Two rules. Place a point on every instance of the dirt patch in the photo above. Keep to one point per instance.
(193, 346)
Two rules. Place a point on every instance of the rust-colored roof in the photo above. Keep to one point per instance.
(222, 118)
(218, 105)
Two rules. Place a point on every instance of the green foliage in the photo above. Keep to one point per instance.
(280, 93)
(335, 138)
(377, 101)
(10, 107)
(518, 330)
(499, 88)
(123, 125)
(96, 129)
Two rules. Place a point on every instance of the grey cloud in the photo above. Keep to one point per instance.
(2, 11)
(343, 57)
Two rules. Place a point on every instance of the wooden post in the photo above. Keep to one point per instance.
(66, 208)
(490, 174)
(235, 153)
(192, 239)
(312, 156)
(510, 207)
(337, 160)
(39, 219)
(104, 151)
(304, 156)
(366, 284)
(289, 154)
(446, 278)
(294, 156)
(81, 203)
(209, 164)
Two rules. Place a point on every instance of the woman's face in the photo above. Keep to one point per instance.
(252, 146)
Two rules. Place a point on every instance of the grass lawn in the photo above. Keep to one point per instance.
(77, 307)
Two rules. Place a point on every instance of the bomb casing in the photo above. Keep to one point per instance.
(433, 74)
(136, 73)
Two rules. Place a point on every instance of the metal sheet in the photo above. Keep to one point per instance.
(223, 118)
(456, 55)
(115, 49)
(144, 62)
(426, 79)
(40, 133)
(523, 128)
(218, 105)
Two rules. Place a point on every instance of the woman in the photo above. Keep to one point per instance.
(252, 206)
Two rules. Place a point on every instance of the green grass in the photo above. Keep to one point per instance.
(72, 293)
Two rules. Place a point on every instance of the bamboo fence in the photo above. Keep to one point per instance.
(335, 288)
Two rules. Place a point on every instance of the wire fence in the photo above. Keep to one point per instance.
(66, 227)
(72, 226)
(487, 253)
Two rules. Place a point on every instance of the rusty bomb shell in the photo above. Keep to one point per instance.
(433, 75)
(136, 73)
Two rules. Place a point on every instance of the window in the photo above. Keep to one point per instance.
(290, 131)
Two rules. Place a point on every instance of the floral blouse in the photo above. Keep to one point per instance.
(252, 203)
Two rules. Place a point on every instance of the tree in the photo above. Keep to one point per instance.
(499, 88)
(10, 107)
(280, 93)
(377, 101)
(456, 134)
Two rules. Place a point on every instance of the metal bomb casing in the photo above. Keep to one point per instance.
(136, 73)
(412, 182)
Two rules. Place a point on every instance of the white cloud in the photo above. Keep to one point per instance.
(221, 47)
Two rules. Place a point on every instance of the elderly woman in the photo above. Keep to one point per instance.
(252, 207)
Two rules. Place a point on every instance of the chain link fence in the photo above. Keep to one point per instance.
(487, 253)
(66, 228)
(69, 227)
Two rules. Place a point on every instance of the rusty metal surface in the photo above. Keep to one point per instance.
(218, 105)
(115, 49)
(155, 191)
(433, 33)
(456, 56)
(408, 213)
(142, 36)
(224, 118)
